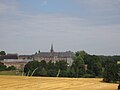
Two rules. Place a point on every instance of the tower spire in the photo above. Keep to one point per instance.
(51, 50)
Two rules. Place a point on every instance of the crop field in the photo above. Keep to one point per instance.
(48, 83)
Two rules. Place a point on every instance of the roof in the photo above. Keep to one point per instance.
(67, 54)
(9, 56)
(25, 55)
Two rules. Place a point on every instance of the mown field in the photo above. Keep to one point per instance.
(48, 83)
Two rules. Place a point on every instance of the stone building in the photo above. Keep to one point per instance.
(15, 60)
(25, 57)
(54, 56)
(19, 64)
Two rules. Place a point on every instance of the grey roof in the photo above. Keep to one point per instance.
(68, 54)
(9, 56)
(25, 55)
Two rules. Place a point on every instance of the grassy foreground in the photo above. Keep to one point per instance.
(14, 73)
(48, 83)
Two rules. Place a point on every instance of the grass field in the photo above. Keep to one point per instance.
(47, 83)
(14, 73)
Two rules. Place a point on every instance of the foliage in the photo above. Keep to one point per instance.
(43, 72)
(78, 66)
(11, 68)
(2, 53)
(94, 65)
(97, 66)
(81, 53)
(62, 65)
(45, 69)
(30, 67)
(2, 67)
(111, 71)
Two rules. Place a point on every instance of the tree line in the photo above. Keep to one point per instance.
(84, 65)
(5, 68)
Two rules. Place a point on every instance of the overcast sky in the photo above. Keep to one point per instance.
(27, 26)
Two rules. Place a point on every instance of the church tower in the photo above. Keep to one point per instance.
(51, 50)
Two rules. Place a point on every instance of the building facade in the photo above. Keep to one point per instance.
(19, 64)
(25, 57)
(18, 61)
(54, 56)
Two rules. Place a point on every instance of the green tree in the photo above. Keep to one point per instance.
(52, 72)
(118, 71)
(43, 72)
(111, 71)
(2, 53)
(30, 67)
(94, 65)
(81, 53)
(62, 65)
(51, 69)
(78, 65)
(71, 72)
(11, 68)
(51, 65)
(43, 64)
(2, 67)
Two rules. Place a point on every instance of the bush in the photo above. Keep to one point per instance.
(11, 68)
(2, 67)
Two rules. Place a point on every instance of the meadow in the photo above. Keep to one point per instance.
(50, 83)
(11, 73)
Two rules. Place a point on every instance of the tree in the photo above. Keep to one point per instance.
(43, 64)
(78, 65)
(94, 65)
(81, 53)
(51, 65)
(71, 72)
(11, 68)
(97, 66)
(30, 67)
(51, 69)
(62, 65)
(43, 72)
(2, 67)
(111, 71)
(2, 53)
(52, 72)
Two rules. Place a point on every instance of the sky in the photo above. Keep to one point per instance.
(27, 26)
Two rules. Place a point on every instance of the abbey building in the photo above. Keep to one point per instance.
(54, 56)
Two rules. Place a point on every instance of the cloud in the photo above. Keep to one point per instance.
(99, 3)
(7, 7)
(26, 33)
(43, 22)
(67, 33)
(99, 6)
(45, 2)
